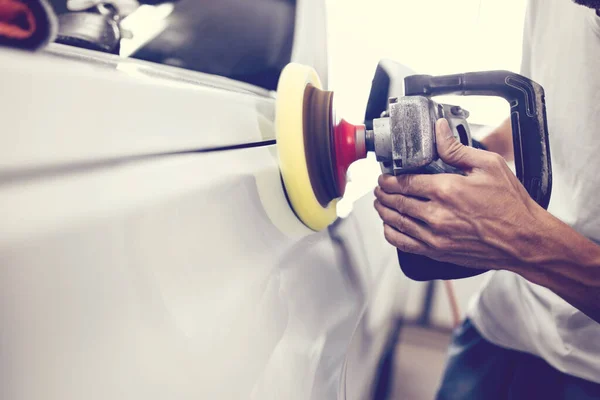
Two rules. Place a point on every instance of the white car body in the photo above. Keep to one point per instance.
(147, 249)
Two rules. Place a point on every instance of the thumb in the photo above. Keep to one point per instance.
(451, 150)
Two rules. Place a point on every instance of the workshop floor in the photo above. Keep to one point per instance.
(419, 363)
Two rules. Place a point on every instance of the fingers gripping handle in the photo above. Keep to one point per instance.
(530, 141)
(527, 112)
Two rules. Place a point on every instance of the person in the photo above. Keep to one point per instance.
(533, 330)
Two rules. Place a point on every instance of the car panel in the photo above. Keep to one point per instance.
(148, 249)
(183, 276)
(101, 108)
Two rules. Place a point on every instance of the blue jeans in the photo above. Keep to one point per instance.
(478, 369)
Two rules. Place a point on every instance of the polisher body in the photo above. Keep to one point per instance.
(404, 141)
(404, 138)
(315, 149)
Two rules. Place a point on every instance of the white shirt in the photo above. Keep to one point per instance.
(561, 51)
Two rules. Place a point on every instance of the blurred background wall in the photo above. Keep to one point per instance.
(430, 36)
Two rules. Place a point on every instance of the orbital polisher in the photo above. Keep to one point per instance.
(315, 149)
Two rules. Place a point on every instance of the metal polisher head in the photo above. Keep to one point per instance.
(330, 145)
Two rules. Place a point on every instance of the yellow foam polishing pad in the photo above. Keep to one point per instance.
(290, 146)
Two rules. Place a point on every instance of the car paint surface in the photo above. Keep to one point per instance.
(78, 106)
(178, 277)
(147, 248)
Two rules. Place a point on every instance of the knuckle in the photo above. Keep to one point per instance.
(439, 244)
(388, 232)
(377, 204)
(399, 202)
(387, 183)
(447, 245)
(385, 216)
(394, 238)
(436, 221)
(407, 182)
(455, 151)
(496, 160)
(400, 222)
(434, 243)
(384, 198)
(445, 189)
(403, 246)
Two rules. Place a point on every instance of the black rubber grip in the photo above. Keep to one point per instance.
(530, 141)
(421, 268)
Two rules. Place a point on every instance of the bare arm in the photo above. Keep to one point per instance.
(564, 261)
(486, 219)
(500, 140)
(561, 260)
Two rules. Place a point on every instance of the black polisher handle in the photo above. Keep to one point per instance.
(527, 113)
(530, 141)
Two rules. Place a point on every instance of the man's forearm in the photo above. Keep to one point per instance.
(559, 258)
(500, 141)
(486, 219)
(555, 255)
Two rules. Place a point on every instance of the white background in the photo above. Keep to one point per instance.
(430, 36)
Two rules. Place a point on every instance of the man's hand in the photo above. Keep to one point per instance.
(484, 219)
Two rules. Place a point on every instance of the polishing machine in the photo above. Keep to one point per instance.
(315, 149)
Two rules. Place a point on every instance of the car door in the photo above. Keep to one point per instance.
(148, 250)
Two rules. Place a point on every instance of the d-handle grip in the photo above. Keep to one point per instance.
(527, 113)
(530, 141)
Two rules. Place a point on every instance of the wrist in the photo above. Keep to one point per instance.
(527, 242)
(548, 243)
